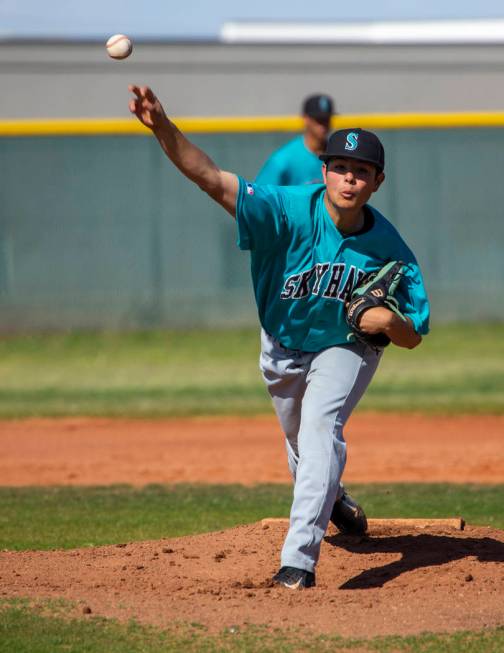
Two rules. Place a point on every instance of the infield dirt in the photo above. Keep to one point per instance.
(396, 583)
(383, 448)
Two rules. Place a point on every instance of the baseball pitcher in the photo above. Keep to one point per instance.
(334, 284)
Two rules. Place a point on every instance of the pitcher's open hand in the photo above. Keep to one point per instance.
(146, 107)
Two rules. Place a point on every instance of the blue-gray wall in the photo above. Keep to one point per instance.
(102, 232)
(76, 79)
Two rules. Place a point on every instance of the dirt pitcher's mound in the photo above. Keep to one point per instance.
(397, 583)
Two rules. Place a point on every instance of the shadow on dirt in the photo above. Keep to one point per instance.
(416, 551)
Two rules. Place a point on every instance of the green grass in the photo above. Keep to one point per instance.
(458, 368)
(67, 517)
(33, 629)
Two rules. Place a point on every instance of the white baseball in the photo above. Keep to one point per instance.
(119, 46)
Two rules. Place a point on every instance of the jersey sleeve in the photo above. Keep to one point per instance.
(413, 299)
(260, 216)
(411, 293)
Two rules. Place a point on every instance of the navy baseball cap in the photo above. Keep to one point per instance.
(320, 107)
(355, 144)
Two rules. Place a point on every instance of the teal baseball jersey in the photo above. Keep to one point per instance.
(304, 269)
(291, 165)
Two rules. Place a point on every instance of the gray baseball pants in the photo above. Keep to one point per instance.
(314, 395)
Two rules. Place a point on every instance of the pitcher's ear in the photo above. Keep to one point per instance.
(380, 178)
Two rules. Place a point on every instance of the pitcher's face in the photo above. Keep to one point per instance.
(350, 182)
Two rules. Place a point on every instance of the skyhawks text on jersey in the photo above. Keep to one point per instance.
(323, 279)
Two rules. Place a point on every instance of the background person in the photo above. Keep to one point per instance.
(297, 162)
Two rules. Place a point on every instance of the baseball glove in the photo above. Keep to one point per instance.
(375, 289)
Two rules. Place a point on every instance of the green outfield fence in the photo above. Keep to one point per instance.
(98, 230)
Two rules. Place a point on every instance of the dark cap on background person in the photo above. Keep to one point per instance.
(319, 107)
(355, 144)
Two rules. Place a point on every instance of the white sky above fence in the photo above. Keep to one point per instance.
(203, 19)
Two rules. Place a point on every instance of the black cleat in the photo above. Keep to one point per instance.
(348, 516)
(294, 578)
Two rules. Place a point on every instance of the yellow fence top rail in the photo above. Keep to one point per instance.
(222, 124)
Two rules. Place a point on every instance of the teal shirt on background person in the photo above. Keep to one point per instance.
(304, 268)
(291, 165)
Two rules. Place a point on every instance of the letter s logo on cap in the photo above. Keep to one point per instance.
(352, 141)
(324, 104)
